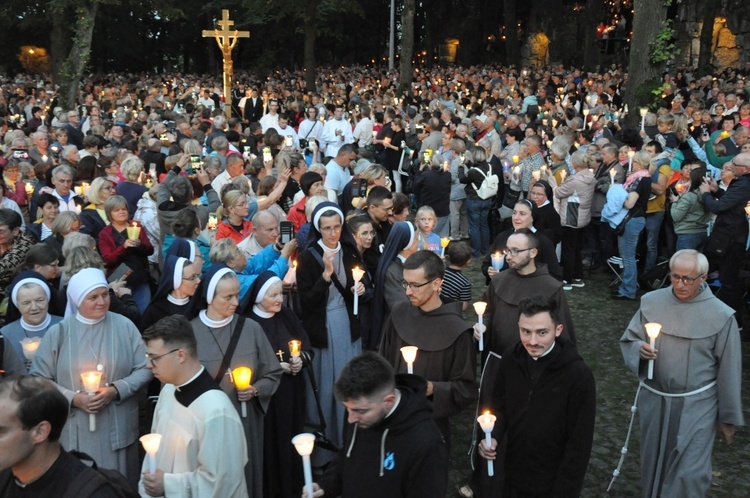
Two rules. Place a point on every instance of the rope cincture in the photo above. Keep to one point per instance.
(634, 408)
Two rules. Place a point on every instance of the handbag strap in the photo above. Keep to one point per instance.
(230, 348)
(311, 129)
(316, 393)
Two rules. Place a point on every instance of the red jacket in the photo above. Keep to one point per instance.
(225, 230)
(297, 214)
(111, 247)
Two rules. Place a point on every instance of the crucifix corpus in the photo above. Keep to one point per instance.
(226, 39)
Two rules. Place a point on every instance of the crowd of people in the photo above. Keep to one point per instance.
(152, 244)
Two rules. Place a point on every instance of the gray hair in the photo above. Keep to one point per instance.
(700, 259)
(62, 170)
(131, 168)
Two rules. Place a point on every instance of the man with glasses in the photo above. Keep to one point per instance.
(203, 450)
(695, 390)
(446, 356)
(731, 226)
(524, 279)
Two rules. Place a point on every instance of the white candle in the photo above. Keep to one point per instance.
(480, 307)
(644, 111)
(497, 260)
(91, 381)
(151, 444)
(134, 231)
(30, 346)
(612, 174)
(630, 160)
(357, 275)
(487, 423)
(652, 330)
(410, 354)
(563, 174)
(242, 377)
(443, 244)
(304, 444)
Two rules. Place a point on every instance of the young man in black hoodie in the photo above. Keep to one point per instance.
(545, 401)
(392, 447)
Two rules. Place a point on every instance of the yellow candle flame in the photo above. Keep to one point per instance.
(295, 347)
(445, 241)
(242, 377)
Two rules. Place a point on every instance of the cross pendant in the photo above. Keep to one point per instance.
(280, 354)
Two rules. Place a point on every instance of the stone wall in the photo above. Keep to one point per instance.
(731, 34)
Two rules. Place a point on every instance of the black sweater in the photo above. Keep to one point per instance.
(433, 188)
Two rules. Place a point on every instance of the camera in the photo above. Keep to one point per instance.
(303, 143)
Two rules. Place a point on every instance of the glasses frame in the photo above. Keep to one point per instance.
(684, 279)
(515, 252)
(153, 359)
(415, 287)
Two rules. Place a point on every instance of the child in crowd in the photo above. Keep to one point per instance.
(426, 221)
(456, 287)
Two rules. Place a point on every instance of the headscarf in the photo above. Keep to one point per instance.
(54, 308)
(80, 285)
(170, 278)
(183, 248)
(532, 206)
(211, 280)
(261, 285)
(20, 282)
(402, 236)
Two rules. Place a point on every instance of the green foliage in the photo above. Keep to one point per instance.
(649, 93)
(663, 48)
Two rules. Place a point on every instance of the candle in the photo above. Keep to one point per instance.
(91, 381)
(151, 444)
(479, 308)
(631, 153)
(149, 182)
(410, 354)
(295, 347)
(644, 111)
(134, 231)
(242, 377)
(612, 174)
(78, 191)
(29, 189)
(85, 186)
(30, 345)
(563, 174)
(487, 423)
(444, 241)
(212, 221)
(680, 187)
(357, 275)
(652, 330)
(304, 444)
(724, 134)
(515, 159)
(536, 175)
(497, 260)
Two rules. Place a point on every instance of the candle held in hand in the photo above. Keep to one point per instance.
(91, 381)
(151, 443)
(652, 330)
(487, 423)
(134, 231)
(410, 354)
(480, 307)
(304, 444)
(242, 378)
(357, 274)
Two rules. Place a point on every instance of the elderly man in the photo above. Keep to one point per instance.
(235, 166)
(62, 179)
(695, 390)
(265, 233)
(75, 136)
(734, 143)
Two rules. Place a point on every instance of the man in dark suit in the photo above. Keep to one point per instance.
(251, 106)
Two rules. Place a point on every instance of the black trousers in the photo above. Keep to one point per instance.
(572, 260)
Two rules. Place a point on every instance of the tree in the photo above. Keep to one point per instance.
(645, 61)
(406, 69)
(710, 8)
(512, 51)
(593, 15)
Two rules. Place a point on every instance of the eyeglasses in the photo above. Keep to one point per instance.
(195, 277)
(153, 358)
(415, 287)
(333, 229)
(516, 252)
(107, 188)
(684, 278)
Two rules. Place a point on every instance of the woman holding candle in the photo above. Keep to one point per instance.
(214, 328)
(326, 286)
(30, 295)
(124, 242)
(687, 210)
(93, 217)
(575, 195)
(638, 185)
(282, 473)
(92, 339)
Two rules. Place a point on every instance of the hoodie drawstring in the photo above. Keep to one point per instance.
(382, 452)
(351, 445)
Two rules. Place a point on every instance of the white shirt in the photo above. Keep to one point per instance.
(288, 131)
(220, 180)
(337, 177)
(269, 121)
(310, 130)
(363, 132)
(331, 143)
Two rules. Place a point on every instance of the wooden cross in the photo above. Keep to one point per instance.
(226, 38)
(280, 354)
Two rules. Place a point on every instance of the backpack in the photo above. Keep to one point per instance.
(95, 480)
(489, 185)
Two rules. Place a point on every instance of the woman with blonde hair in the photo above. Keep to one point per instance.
(64, 223)
(93, 217)
(131, 189)
(638, 186)
(233, 211)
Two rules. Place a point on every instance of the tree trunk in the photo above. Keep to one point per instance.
(72, 68)
(406, 69)
(512, 47)
(594, 13)
(707, 37)
(312, 7)
(648, 21)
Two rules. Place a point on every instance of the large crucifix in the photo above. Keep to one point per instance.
(226, 39)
